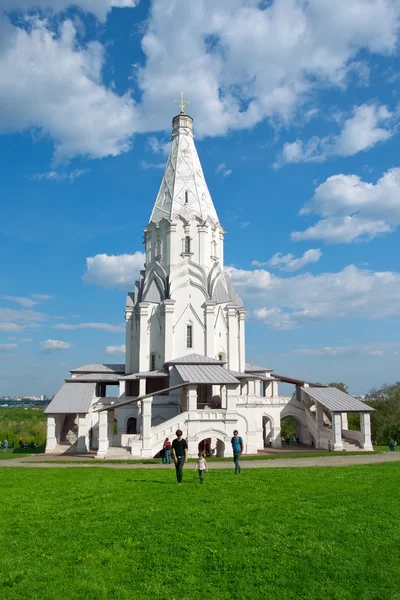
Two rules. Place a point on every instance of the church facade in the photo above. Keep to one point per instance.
(185, 365)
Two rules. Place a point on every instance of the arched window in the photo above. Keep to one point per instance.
(189, 336)
(187, 245)
(152, 362)
(220, 357)
(186, 197)
(131, 425)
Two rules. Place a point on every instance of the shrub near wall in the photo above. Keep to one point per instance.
(25, 423)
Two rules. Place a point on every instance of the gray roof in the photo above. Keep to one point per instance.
(96, 377)
(205, 373)
(335, 400)
(249, 368)
(100, 369)
(147, 374)
(195, 359)
(295, 381)
(72, 398)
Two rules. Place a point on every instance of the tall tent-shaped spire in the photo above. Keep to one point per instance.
(183, 189)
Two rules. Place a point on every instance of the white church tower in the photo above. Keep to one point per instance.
(184, 302)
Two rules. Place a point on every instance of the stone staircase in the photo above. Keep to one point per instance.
(349, 447)
(118, 454)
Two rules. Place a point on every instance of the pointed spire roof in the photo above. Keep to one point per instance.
(183, 189)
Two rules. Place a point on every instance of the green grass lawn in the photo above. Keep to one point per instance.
(265, 534)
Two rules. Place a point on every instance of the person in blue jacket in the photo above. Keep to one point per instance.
(237, 447)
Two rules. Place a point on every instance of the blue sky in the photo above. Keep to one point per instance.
(296, 114)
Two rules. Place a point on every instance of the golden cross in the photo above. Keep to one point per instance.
(182, 102)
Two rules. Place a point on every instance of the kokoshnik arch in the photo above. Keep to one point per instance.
(185, 365)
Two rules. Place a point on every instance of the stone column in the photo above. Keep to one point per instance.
(298, 393)
(51, 439)
(232, 393)
(192, 397)
(365, 422)
(274, 390)
(103, 434)
(345, 424)
(319, 422)
(209, 318)
(276, 436)
(110, 427)
(233, 346)
(83, 433)
(139, 417)
(143, 337)
(242, 342)
(168, 310)
(337, 431)
(146, 427)
(142, 387)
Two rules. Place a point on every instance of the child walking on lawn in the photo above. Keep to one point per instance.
(201, 466)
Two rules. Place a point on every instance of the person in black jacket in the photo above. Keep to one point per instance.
(179, 454)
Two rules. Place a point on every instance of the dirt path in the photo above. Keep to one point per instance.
(333, 460)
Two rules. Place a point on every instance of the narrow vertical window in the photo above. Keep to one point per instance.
(186, 197)
(153, 362)
(187, 245)
(189, 336)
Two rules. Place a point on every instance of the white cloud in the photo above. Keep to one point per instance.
(369, 124)
(11, 327)
(103, 326)
(26, 340)
(352, 209)
(338, 351)
(99, 8)
(306, 45)
(115, 350)
(59, 91)
(146, 165)
(41, 297)
(288, 303)
(49, 346)
(158, 146)
(23, 317)
(223, 170)
(6, 347)
(288, 262)
(26, 302)
(119, 271)
(60, 176)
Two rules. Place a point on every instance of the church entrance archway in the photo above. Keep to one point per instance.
(267, 431)
(212, 446)
(294, 432)
(131, 425)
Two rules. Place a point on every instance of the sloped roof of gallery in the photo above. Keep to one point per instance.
(183, 191)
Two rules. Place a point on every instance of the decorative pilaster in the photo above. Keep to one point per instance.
(129, 315)
(209, 318)
(242, 344)
(232, 393)
(143, 336)
(221, 249)
(168, 307)
(110, 427)
(233, 354)
(319, 421)
(345, 424)
(203, 245)
(146, 427)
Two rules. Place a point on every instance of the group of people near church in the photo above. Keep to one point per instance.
(179, 449)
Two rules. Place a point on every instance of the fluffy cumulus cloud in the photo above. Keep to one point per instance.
(369, 124)
(352, 209)
(290, 302)
(59, 90)
(119, 271)
(227, 45)
(49, 346)
(99, 8)
(115, 350)
(101, 326)
(15, 320)
(289, 262)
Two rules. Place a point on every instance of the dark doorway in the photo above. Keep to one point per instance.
(131, 425)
